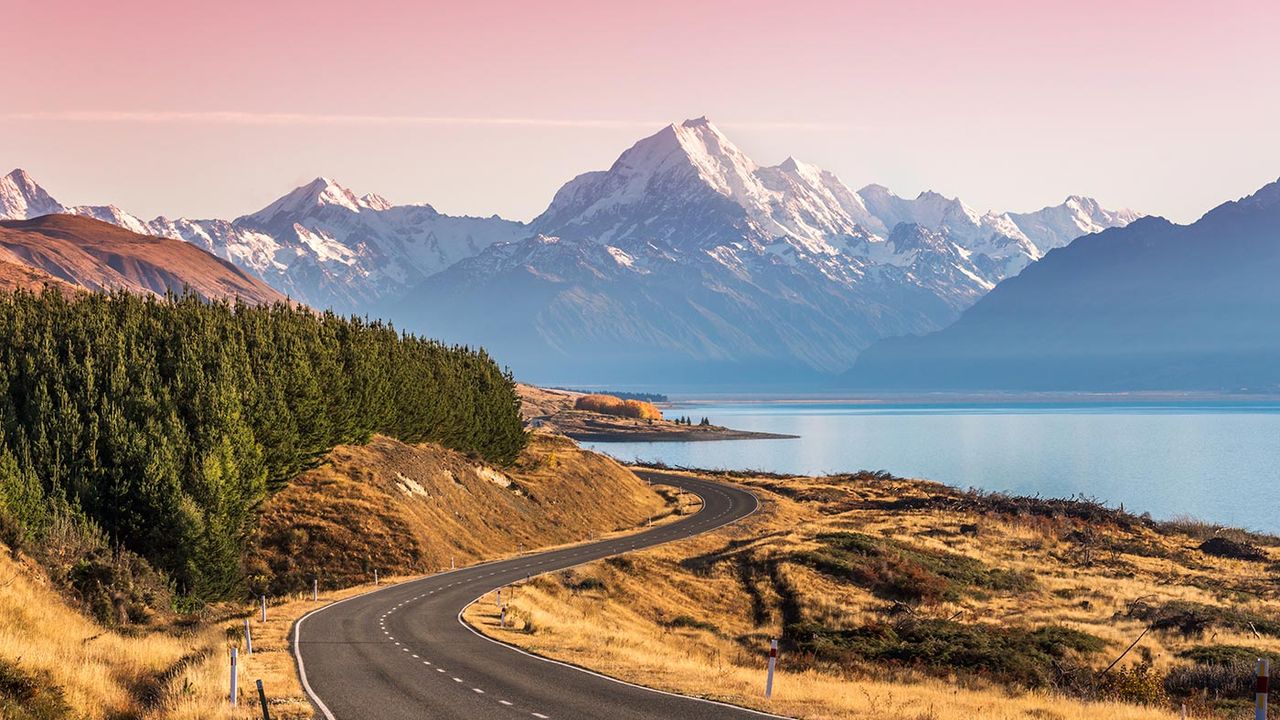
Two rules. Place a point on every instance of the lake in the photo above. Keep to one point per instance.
(1219, 463)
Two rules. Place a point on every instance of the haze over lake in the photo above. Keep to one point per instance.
(1215, 462)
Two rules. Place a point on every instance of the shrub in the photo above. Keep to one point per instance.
(1048, 656)
(1232, 680)
(610, 405)
(1192, 618)
(1222, 654)
(1139, 684)
(1227, 548)
(905, 573)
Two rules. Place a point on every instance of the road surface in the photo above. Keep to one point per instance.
(403, 652)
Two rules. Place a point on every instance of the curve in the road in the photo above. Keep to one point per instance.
(403, 651)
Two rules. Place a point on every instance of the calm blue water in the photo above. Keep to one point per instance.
(1215, 463)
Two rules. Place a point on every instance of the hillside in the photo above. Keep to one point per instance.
(1152, 306)
(398, 508)
(899, 598)
(164, 423)
(95, 255)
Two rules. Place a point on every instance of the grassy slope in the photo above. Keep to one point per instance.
(400, 508)
(696, 616)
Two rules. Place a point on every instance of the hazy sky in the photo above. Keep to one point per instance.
(214, 109)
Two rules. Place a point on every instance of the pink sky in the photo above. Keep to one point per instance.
(200, 110)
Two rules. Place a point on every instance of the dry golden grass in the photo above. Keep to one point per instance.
(402, 509)
(669, 618)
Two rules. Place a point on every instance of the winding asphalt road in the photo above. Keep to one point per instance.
(403, 652)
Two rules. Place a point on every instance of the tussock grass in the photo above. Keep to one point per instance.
(404, 510)
(896, 598)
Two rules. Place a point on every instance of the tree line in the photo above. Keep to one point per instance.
(165, 422)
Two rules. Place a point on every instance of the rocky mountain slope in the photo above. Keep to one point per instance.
(1152, 306)
(72, 251)
(319, 243)
(688, 257)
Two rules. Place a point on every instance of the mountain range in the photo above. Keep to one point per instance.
(684, 256)
(1151, 306)
(68, 252)
(687, 259)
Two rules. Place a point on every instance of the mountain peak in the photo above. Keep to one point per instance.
(1266, 196)
(318, 193)
(22, 198)
(697, 122)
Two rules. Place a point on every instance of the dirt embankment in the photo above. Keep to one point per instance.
(405, 509)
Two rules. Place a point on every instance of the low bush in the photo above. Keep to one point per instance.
(1193, 619)
(1049, 656)
(905, 573)
(1230, 680)
(1227, 548)
(1222, 654)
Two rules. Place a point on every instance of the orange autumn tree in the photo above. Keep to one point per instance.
(610, 405)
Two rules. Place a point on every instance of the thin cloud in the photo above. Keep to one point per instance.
(297, 119)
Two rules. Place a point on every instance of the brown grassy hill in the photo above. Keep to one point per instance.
(403, 509)
(96, 255)
(907, 599)
(408, 509)
(16, 274)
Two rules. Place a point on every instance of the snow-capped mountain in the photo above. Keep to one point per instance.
(688, 256)
(685, 255)
(1150, 306)
(319, 243)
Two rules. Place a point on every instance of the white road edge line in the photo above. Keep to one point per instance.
(580, 669)
(328, 714)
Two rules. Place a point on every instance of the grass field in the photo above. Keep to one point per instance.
(906, 599)
(404, 510)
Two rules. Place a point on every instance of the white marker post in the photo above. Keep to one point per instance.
(773, 662)
(1261, 689)
(315, 589)
(235, 691)
(248, 638)
(375, 578)
(452, 564)
(264, 607)
(502, 618)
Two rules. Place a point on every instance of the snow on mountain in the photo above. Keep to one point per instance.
(1055, 226)
(319, 243)
(22, 199)
(686, 253)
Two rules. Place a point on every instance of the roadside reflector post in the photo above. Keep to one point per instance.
(502, 617)
(315, 589)
(262, 700)
(234, 690)
(452, 564)
(1261, 689)
(375, 577)
(773, 662)
(264, 607)
(248, 638)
